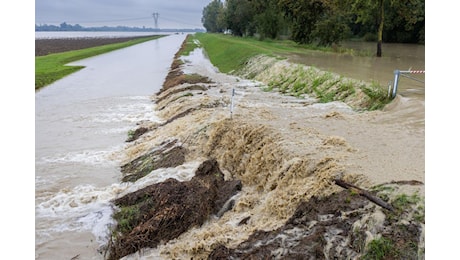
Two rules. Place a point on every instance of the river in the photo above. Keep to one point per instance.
(81, 123)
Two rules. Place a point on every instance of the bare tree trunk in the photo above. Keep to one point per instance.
(365, 194)
(380, 32)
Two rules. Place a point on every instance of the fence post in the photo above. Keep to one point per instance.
(395, 84)
(231, 105)
(403, 74)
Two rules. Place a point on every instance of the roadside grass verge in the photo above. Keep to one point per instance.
(53, 67)
(254, 59)
(230, 53)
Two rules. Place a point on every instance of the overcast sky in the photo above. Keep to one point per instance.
(133, 13)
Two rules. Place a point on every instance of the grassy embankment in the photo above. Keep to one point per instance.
(52, 67)
(231, 55)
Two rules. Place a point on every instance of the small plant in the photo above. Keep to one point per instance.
(131, 134)
(419, 214)
(127, 218)
(327, 97)
(377, 95)
(381, 248)
(298, 87)
(403, 201)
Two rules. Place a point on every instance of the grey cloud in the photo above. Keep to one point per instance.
(173, 13)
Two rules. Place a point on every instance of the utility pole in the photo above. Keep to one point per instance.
(155, 17)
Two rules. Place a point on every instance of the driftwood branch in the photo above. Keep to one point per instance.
(365, 194)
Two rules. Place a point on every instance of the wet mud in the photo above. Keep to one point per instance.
(327, 228)
(162, 211)
(265, 188)
(168, 154)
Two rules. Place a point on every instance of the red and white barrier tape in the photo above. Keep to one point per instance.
(416, 71)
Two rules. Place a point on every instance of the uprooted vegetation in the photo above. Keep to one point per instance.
(287, 206)
(163, 211)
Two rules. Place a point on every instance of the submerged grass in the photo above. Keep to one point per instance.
(234, 54)
(52, 67)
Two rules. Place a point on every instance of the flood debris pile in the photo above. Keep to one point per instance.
(340, 226)
(264, 188)
(163, 211)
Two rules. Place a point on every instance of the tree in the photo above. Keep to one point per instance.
(405, 21)
(303, 16)
(333, 25)
(380, 31)
(212, 17)
(240, 17)
(388, 15)
(268, 18)
(322, 21)
(370, 11)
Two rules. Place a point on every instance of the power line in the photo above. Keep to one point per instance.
(180, 22)
(108, 21)
(155, 17)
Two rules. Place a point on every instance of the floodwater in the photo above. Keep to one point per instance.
(283, 149)
(81, 123)
(370, 68)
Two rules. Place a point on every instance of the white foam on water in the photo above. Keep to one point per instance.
(337, 105)
(183, 172)
(91, 157)
(89, 208)
(82, 208)
(127, 112)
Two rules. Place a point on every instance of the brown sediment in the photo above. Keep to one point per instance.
(288, 206)
(168, 154)
(324, 228)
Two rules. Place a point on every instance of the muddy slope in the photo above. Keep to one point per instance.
(280, 156)
(165, 210)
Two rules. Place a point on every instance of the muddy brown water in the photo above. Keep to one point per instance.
(370, 68)
(82, 122)
(283, 149)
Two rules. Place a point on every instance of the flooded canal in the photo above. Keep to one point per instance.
(81, 125)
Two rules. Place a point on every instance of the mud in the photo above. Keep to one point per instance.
(283, 154)
(162, 211)
(49, 46)
(326, 228)
(168, 154)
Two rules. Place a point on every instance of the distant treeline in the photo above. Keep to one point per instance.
(322, 22)
(69, 27)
